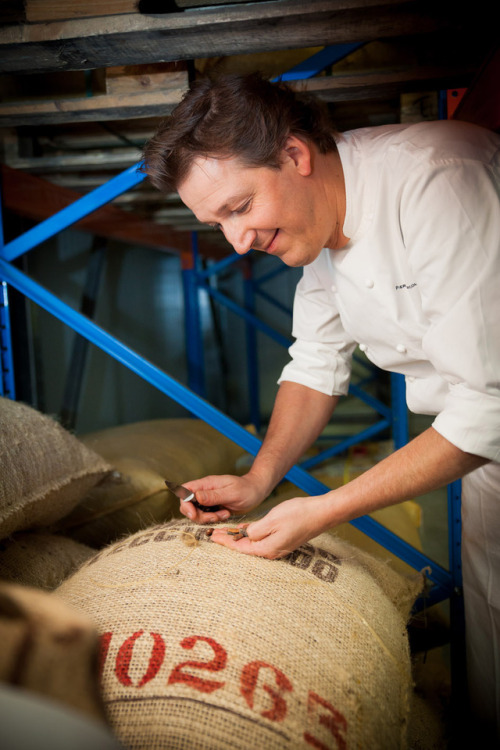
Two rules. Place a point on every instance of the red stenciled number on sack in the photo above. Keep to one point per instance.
(249, 679)
(334, 721)
(124, 657)
(104, 642)
(214, 665)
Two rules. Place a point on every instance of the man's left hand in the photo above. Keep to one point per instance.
(280, 531)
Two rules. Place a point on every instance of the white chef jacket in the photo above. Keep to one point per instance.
(417, 286)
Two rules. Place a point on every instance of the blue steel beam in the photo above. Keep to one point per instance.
(370, 400)
(248, 317)
(274, 302)
(400, 429)
(251, 348)
(457, 610)
(193, 334)
(455, 531)
(219, 266)
(73, 213)
(208, 413)
(359, 437)
(285, 341)
(271, 274)
(319, 61)
(7, 385)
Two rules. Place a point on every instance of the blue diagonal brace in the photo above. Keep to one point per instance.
(73, 213)
(205, 411)
(319, 61)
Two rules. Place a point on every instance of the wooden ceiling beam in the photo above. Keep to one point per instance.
(377, 84)
(159, 103)
(134, 38)
(35, 198)
(91, 109)
(35, 11)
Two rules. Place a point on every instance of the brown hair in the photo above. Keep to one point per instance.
(244, 116)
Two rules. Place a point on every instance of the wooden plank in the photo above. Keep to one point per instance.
(38, 199)
(158, 102)
(133, 79)
(133, 39)
(158, 6)
(105, 159)
(381, 84)
(55, 10)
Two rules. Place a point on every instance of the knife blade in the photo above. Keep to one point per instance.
(187, 496)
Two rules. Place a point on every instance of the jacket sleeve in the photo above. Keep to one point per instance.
(322, 351)
(451, 227)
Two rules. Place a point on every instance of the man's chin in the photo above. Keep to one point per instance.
(299, 259)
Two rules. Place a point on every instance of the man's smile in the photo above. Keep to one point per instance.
(267, 248)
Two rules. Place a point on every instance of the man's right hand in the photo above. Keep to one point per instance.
(237, 495)
(299, 415)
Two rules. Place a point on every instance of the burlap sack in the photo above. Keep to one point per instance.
(49, 649)
(144, 454)
(205, 648)
(44, 470)
(41, 560)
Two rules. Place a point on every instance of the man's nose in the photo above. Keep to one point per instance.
(240, 237)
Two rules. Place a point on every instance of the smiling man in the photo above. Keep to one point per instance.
(285, 212)
(398, 230)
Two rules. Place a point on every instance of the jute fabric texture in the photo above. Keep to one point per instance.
(49, 649)
(45, 470)
(144, 454)
(41, 560)
(203, 647)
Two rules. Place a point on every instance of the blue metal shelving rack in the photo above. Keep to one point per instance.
(444, 582)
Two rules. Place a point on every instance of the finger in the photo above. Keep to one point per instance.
(223, 515)
(259, 530)
(220, 536)
(245, 545)
(211, 517)
(210, 483)
(189, 510)
(195, 514)
(211, 497)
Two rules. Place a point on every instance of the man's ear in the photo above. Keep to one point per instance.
(300, 153)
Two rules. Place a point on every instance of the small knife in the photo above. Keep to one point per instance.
(187, 496)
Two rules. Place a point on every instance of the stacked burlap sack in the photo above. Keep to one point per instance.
(104, 485)
(62, 497)
(200, 647)
(143, 455)
(46, 475)
(205, 648)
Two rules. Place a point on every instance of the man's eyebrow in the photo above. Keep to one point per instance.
(228, 206)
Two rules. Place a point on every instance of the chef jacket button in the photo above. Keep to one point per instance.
(369, 283)
(410, 379)
(363, 347)
(334, 288)
(401, 348)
